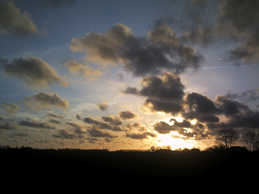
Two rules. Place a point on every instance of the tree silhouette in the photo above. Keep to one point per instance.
(251, 139)
(227, 136)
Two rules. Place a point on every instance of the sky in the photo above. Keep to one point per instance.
(127, 74)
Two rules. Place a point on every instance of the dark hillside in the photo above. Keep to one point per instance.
(119, 167)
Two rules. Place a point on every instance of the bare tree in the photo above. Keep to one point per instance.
(251, 139)
(227, 136)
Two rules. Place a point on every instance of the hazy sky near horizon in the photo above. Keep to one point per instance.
(127, 74)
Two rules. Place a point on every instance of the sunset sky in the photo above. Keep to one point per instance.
(98, 74)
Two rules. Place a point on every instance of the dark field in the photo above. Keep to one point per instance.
(131, 167)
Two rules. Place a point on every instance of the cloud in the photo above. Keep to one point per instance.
(55, 121)
(21, 134)
(228, 106)
(165, 87)
(201, 104)
(14, 22)
(34, 71)
(160, 50)
(99, 133)
(137, 126)
(78, 129)
(56, 116)
(144, 135)
(1, 118)
(72, 131)
(127, 115)
(249, 95)
(131, 90)
(245, 119)
(200, 107)
(238, 19)
(96, 123)
(165, 92)
(183, 128)
(44, 100)
(10, 108)
(163, 127)
(163, 34)
(78, 117)
(36, 124)
(113, 120)
(8, 126)
(103, 106)
(64, 134)
(157, 105)
(86, 70)
(202, 35)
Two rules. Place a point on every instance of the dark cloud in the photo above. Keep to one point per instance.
(10, 108)
(103, 106)
(34, 71)
(163, 127)
(131, 90)
(15, 23)
(249, 95)
(64, 134)
(72, 131)
(116, 128)
(238, 19)
(78, 117)
(127, 115)
(228, 106)
(113, 120)
(155, 105)
(201, 108)
(55, 121)
(44, 100)
(206, 22)
(137, 126)
(183, 124)
(78, 129)
(97, 123)
(99, 133)
(201, 104)
(165, 92)
(202, 35)
(8, 126)
(1, 118)
(144, 135)
(165, 87)
(247, 119)
(72, 124)
(141, 56)
(21, 134)
(35, 124)
(56, 116)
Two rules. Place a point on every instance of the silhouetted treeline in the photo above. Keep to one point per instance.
(162, 165)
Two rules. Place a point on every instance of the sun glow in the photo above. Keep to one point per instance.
(174, 142)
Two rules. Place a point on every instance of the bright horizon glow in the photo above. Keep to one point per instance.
(175, 143)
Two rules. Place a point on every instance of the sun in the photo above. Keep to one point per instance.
(174, 143)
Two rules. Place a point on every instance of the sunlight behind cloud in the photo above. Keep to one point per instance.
(175, 143)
